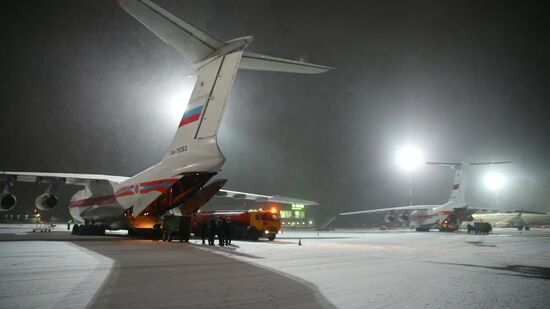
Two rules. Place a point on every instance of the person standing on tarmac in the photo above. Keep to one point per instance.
(157, 232)
(221, 232)
(203, 231)
(227, 232)
(184, 229)
(212, 235)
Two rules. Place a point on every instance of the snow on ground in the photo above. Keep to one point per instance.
(412, 270)
(26, 228)
(46, 274)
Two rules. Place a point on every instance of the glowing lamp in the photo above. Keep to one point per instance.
(409, 158)
(494, 181)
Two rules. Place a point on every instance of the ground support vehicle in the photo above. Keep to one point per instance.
(43, 227)
(245, 224)
(480, 228)
(176, 227)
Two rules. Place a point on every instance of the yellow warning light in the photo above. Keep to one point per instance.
(273, 210)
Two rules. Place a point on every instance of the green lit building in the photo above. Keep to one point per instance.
(296, 216)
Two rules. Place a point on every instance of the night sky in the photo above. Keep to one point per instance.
(87, 89)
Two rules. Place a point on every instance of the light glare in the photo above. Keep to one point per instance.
(494, 181)
(409, 158)
(176, 103)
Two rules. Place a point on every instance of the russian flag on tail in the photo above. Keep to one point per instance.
(191, 115)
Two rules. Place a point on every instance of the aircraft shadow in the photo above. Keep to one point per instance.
(517, 270)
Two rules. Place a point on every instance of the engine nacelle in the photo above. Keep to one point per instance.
(403, 217)
(389, 218)
(7, 201)
(46, 201)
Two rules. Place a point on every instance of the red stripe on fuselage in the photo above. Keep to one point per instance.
(156, 182)
(159, 189)
(93, 201)
(110, 199)
(125, 194)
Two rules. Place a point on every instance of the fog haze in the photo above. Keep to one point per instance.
(87, 89)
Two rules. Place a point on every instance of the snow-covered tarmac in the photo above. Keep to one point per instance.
(413, 270)
(347, 269)
(43, 274)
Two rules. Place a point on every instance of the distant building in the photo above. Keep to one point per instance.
(296, 216)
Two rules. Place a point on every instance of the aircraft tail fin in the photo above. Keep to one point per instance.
(458, 193)
(458, 190)
(195, 147)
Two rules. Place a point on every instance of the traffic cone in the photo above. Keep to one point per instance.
(299, 241)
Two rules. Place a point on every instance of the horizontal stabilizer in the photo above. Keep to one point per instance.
(199, 47)
(193, 43)
(451, 164)
(258, 62)
(489, 163)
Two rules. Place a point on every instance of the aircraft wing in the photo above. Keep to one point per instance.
(494, 210)
(263, 198)
(75, 179)
(413, 207)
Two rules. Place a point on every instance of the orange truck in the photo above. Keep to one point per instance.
(245, 224)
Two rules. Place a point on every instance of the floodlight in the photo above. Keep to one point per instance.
(175, 103)
(494, 181)
(409, 158)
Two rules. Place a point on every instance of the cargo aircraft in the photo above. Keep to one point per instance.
(520, 219)
(180, 182)
(446, 217)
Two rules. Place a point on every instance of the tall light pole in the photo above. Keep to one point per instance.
(409, 159)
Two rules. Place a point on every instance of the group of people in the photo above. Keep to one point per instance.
(222, 229)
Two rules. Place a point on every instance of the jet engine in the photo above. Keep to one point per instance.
(403, 217)
(46, 201)
(389, 218)
(7, 201)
